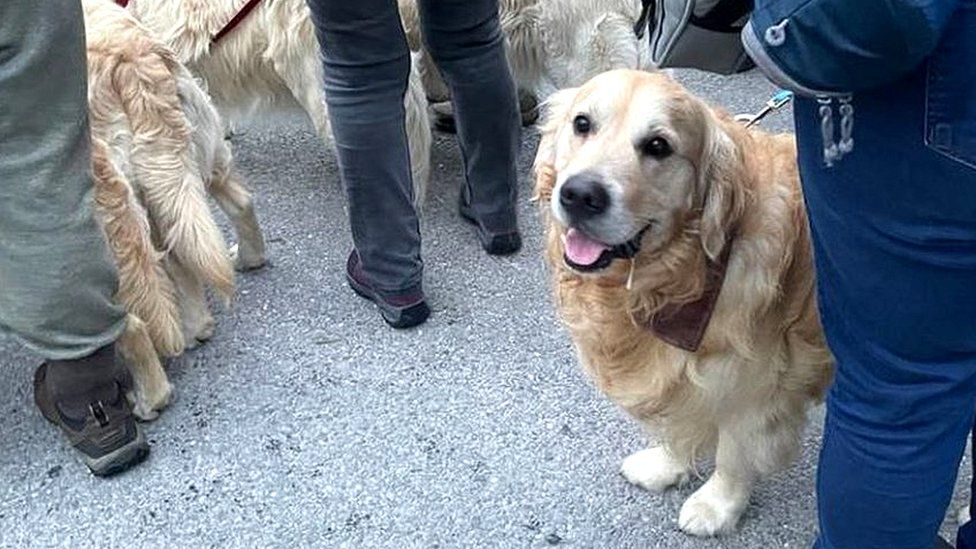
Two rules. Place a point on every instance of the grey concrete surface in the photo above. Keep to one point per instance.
(307, 422)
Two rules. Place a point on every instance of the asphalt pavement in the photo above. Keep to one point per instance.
(307, 422)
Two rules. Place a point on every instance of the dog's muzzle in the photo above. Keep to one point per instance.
(625, 250)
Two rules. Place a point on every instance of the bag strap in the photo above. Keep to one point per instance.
(724, 16)
(647, 14)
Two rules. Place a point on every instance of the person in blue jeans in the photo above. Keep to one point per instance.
(886, 131)
(367, 63)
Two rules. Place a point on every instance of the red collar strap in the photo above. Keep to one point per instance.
(241, 14)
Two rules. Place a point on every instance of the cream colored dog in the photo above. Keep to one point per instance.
(552, 44)
(271, 57)
(682, 267)
(158, 149)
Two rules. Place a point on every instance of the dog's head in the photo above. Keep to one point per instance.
(635, 161)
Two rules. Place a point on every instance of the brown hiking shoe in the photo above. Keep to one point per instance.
(99, 423)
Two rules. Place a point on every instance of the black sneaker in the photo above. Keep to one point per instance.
(494, 241)
(399, 311)
(105, 433)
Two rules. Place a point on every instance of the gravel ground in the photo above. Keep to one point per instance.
(307, 422)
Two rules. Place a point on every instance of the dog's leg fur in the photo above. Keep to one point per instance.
(751, 444)
(151, 388)
(145, 290)
(237, 204)
(198, 322)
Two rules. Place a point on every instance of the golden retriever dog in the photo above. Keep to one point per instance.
(157, 151)
(552, 44)
(682, 268)
(271, 57)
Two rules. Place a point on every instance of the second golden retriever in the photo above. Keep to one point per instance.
(157, 152)
(683, 269)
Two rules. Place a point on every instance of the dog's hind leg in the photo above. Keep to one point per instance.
(236, 202)
(198, 322)
(151, 388)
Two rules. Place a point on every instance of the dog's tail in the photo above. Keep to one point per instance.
(171, 181)
(419, 136)
(145, 290)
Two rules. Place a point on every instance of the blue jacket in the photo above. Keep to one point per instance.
(833, 49)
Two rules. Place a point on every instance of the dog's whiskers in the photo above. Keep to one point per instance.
(630, 275)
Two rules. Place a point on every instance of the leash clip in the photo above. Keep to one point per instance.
(776, 102)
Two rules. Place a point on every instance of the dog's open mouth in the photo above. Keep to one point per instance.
(582, 253)
(586, 255)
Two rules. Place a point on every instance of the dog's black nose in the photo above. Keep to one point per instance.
(584, 196)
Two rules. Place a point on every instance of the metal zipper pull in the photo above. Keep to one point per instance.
(846, 144)
(830, 149)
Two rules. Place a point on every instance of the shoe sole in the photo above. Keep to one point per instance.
(367, 293)
(509, 246)
(120, 459)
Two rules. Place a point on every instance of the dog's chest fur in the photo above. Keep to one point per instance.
(638, 371)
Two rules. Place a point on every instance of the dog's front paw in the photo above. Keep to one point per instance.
(146, 404)
(653, 469)
(709, 511)
(246, 259)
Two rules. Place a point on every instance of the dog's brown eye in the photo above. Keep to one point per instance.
(656, 147)
(582, 125)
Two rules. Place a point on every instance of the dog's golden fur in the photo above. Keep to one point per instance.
(157, 150)
(268, 60)
(742, 396)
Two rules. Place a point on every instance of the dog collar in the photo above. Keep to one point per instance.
(683, 325)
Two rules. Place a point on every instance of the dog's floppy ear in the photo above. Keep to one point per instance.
(555, 109)
(719, 169)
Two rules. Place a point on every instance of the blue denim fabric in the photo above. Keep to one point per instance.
(894, 233)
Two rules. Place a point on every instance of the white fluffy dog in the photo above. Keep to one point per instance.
(272, 55)
(553, 44)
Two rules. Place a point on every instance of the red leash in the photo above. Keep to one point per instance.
(241, 15)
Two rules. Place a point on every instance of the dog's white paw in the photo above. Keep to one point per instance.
(963, 516)
(653, 469)
(147, 404)
(245, 260)
(708, 511)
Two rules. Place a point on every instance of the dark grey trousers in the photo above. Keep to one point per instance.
(367, 64)
(57, 278)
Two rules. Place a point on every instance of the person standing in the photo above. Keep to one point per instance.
(886, 133)
(57, 278)
(367, 63)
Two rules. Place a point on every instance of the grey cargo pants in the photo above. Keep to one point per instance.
(57, 278)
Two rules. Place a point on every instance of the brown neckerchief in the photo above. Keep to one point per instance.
(683, 325)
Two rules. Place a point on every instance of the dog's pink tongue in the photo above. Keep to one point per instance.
(581, 249)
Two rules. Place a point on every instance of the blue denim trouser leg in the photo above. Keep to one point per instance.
(57, 278)
(894, 233)
(367, 65)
